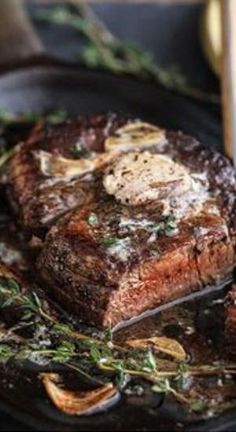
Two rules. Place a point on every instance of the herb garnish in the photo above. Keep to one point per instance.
(81, 151)
(198, 405)
(53, 342)
(110, 241)
(92, 219)
(6, 156)
(54, 117)
(104, 50)
(167, 227)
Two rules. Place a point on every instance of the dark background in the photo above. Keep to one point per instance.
(170, 32)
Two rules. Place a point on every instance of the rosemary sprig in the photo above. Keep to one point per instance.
(105, 50)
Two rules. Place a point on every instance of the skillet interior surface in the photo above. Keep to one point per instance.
(79, 91)
(82, 91)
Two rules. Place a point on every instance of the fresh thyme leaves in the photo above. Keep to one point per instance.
(12, 285)
(30, 304)
(7, 117)
(81, 151)
(119, 248)
(170, 225)
(64, 352)
(110, 241)
(134, 389)
(182, 378)
(162, 387)
(105, 50)
(150, 362)
(167, 227)
(92, 219)
(108, 336)
(53, 342)
(6, 156)
(6, 353)
(54, 117)
(198, 405)
(62, 329)
(9, 290)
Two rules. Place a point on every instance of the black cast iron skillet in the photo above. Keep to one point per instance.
(40, 84)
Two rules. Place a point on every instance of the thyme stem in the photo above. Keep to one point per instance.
(105, 50)
(82, 353)
(85, 374)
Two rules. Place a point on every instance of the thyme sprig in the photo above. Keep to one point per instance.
(53, 342)
(7, 155)
(7, 117)
(167, 226)
(12, 296)
(105, 50)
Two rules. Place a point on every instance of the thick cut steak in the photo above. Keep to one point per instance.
(41, 188)
(158, 225)
(106, 281)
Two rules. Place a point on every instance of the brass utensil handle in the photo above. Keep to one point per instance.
(18, 39)
(229, 76)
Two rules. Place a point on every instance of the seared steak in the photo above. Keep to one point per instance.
(230, 324)
(106, 274)
(160, 224)
(39, 188)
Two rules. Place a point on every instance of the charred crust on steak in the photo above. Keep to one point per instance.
(126, 266)
(125, 238)
(38, 199)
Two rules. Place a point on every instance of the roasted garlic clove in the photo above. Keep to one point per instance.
(135, 135)
(162, 344)
(81, 402)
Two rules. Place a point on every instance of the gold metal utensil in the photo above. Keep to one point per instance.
(219, 42)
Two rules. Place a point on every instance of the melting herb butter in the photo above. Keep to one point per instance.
(142, 178)
(118, 248)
